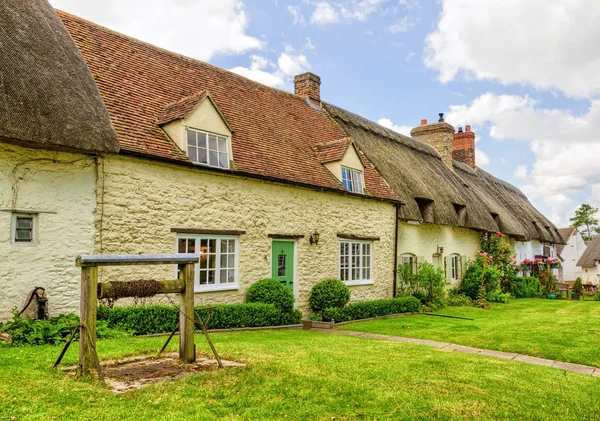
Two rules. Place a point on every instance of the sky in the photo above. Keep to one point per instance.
(524, 74)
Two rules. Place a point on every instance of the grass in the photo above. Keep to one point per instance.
(556, 329)
(299, 375)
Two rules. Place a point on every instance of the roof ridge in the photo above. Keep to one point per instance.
(182, 56)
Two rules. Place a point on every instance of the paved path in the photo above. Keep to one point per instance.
(576, 368)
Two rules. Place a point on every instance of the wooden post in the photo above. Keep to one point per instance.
(87, 311)
(187, 350)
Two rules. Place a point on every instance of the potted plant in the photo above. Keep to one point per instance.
(577, 289)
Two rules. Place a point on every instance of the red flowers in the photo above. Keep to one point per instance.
(499, 234)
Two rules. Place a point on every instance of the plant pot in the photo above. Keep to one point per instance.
(575, 296)
(551, 296)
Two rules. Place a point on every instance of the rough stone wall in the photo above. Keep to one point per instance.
(439, 136)
(144, 199)
(50, 182)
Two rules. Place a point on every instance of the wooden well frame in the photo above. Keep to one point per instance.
(91, 291)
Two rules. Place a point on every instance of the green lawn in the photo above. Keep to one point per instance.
(300, 375)
(556, 329)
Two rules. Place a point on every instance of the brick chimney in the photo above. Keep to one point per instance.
(308, 85)
(463, 146)
(438, 135)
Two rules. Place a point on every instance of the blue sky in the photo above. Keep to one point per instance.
(525, 75)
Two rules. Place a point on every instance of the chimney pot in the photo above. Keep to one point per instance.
(441, 120)
(467, 128)
(423, 122)
(308, 85)
(460, 129)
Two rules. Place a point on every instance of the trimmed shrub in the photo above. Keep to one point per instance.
(525, 287)
(477, 271)
(271, 291)
(329, 293)
(368, 309)
(459, 300)
(498, 297)
(158, 318)
(578, 286)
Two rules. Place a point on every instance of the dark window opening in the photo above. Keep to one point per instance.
(461, 213)
(496, 218)
(426, 209)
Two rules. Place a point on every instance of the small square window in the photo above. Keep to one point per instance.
(353, 180)
(207, 148)
(23, 229)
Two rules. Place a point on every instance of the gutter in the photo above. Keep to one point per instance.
(396, 250)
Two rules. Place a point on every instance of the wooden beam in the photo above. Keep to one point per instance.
(187, 349)
(286, 236)
(207, 231)
(175, 286)
(87, 311)
(136, 259)
(357, 237)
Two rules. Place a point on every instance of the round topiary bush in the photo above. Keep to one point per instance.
(271, 291)
(329, 293)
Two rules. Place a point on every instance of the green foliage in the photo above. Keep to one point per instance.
(271, 291)
(158, 318)
(585, 220)
(407, 282)
(458, 300)
(501, 257)
(368, 309)
(328, 293)
(548, 282)
(478, 272)
(596, 297)
(427, 284)
(52, 331)
(525, 287)
(498, 297)
(578, 286)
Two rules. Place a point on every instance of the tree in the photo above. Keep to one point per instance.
(585, 216)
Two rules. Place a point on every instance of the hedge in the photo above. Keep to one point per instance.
(158, 318)
(368, 309)
(525, 287)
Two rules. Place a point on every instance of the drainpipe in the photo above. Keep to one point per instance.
(396, 249)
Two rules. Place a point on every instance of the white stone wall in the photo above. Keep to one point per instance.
(591, 275)
(571, 255)
(144, 199)
(64, 192)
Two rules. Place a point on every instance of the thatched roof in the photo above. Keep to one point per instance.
(48, 97)
(591, 255)
(417, 174)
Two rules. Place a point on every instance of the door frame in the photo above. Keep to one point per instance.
(295, 283)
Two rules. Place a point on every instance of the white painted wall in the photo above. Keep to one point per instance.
(591, 275)
(571, 254)
(64, 192)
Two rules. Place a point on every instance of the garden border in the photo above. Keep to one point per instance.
(314, 324)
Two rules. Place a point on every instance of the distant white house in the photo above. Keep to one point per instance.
(590, 263)
(571, 252)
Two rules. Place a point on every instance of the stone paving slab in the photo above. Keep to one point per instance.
(575, 368)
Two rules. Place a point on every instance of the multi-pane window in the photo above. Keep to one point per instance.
(207, 148)
(410, 261)
(355, 261)
(218, 260)
(454, 267)
(352, 180)
(23, 229)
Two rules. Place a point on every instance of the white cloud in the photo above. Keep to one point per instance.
(327, 12)
(545, 44)
(386, 122)
(288, 65)
(324, 14)
(309, 45)
(216, 27)
(410, 56)
(482, 159)
(403, 25)
(297, 14)
(565, 146)
(521, 172)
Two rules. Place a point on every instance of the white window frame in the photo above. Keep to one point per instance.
(361, 280)
(218, 286)
(454, 268)
(413, 265)
(208, 150)
(13, 229)
(356, 180)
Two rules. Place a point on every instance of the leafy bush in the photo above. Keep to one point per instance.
(478, 271)
(459, 300)
(596, 297)
(578, 286)
(427, 284)
(368, 309)
(271, 291)
(498, 297)
(328, 293)
(525, 287)
(408, 283)
(548, 281)
(501, 257)
(51, 331)
(158, 318)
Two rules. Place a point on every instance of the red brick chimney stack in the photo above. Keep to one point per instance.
(308, 85)
(463, 146)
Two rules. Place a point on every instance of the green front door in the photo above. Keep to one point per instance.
(282, 262)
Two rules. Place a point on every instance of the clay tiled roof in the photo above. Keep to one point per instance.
(332, 151)
(274, 132)
(180, 109)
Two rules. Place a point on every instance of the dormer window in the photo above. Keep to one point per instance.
(353, 180)
(207, 148)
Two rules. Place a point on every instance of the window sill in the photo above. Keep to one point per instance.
(357, 283)
(198, 290)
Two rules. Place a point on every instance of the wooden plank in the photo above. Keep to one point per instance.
(286, 236)
(175, 286)
(87, 311)
(187, 350)
(357, 237)
(136, 259)
(207, 231)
